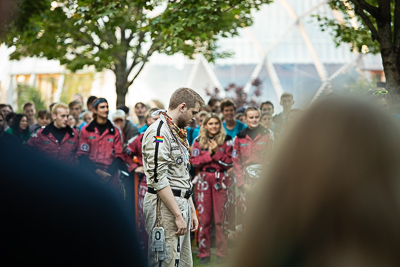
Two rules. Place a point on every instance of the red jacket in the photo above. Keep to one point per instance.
(134, 148)
(247, 151)
(44, 141)
(100, 149)
(220, 161)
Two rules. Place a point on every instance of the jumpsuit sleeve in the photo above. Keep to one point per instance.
(83, 152)
(156, 150)
(131, 150)
(76, 139)
(224, 155)
(34, 142)
(83, 148)
(199, 157)
(118, 143)
(237, 163)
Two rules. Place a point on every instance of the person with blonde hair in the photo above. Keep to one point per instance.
(57, 140)
(331, 194)
(212, 154)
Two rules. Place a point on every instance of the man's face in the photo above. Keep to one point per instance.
(229, 113)
(2, 124)
(216, 108)
(102, 110)
(267, 121)
(252, 119)
(44, 121)
(87, 118)
(71, 121)
(201, 119)
(140, 110)
(5, 110)
(61, 118)
(187, 116)
(151, 119)
(75, 111)
(287, 102)
(267, 108)
(119, 122)
(30, 112)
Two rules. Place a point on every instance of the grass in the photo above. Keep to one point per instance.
(212, 263)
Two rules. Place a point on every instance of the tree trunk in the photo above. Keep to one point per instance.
(121, 80)
(392, 74)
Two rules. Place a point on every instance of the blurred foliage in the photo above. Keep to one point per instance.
(369, 26)
(27, 93)
(122, 35)
(76, 84)
(345, 32)
(360, 87)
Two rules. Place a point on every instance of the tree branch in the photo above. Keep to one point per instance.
(374, 11)
(152, 49)
(374, 32)
(137, 53)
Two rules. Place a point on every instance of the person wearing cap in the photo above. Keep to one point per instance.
(100, 146)
(57, 139)
(118, 119)
(129, 130)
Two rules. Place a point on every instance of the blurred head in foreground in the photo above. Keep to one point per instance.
(332, 194)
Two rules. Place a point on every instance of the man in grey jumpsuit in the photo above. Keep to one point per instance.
(166, 164)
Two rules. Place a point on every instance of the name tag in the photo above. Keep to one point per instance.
(261, 143)
(175, 148)
(92, 137)
(110, 140)
(244, 144)
(46, 142)
(71, 142)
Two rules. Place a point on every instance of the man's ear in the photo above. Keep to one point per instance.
(182, 107)
(53, 116)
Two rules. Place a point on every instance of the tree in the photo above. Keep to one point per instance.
(377, 31)
(122, 35)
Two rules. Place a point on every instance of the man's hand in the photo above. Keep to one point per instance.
(105, 176)
(139, 169)
(181, 225)
(195, 222)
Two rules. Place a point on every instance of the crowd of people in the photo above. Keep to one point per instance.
(223, 147)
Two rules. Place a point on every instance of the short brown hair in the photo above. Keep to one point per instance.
(286, 94)
(227, 103)
(56, 106)
(251, 109)
(74, 103)
(44, 113)
(185, 95)
(27, 104)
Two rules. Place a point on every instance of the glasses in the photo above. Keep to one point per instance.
(384, 92)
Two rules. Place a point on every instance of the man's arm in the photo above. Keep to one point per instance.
(169, 200)
(194, 219)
